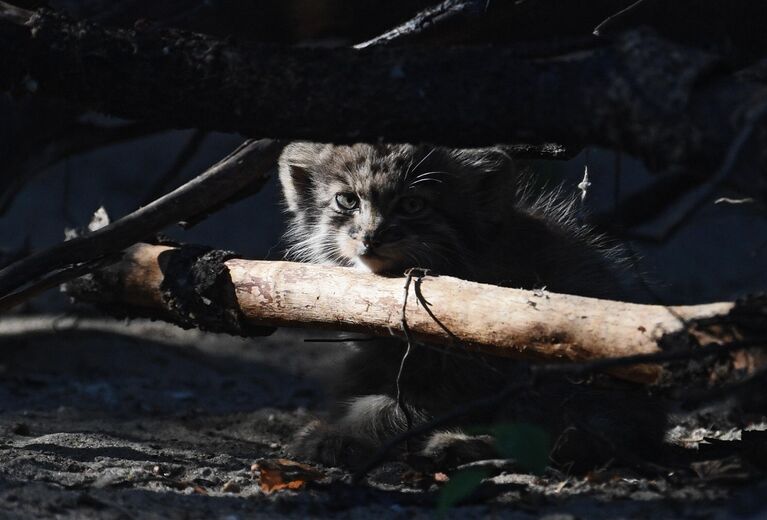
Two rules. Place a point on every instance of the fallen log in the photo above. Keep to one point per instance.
(670, 105)
(216, 291)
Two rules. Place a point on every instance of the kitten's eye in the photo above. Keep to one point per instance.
(347, 201)
(412, 205)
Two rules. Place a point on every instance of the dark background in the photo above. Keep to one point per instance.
(108, 418)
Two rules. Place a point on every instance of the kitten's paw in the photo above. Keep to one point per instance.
(330, 446)
(451, 449)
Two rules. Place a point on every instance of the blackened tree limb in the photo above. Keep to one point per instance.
(657, 100)
(535, 27)
(247, 166)
(734, 29)
(545, 26)
(552, 151)
(433, 18)
(51, 280)
(13, 14)
(202, 82)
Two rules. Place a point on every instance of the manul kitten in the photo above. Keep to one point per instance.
(459, 212)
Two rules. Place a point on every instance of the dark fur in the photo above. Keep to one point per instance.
(480, 223)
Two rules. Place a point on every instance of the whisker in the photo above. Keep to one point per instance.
(424, 180)
(409, 170)
(422, 160)
(430, 173)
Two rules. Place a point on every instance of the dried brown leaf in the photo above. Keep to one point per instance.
(279, 474)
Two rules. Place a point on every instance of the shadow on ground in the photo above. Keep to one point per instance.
(147, 421)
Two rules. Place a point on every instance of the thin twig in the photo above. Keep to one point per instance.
(426, 20)
(339, 340)
(13, 14)
(689, 204)
(427, 306)
(614, 20)
(408, 339)
(457, 348)
(52, 280)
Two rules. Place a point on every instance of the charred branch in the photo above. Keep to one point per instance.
(662, 102)
(245, 170)
(418, 28)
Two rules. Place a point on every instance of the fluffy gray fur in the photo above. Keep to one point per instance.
(479, 220)
(458, 212)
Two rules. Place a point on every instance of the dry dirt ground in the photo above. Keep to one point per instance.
(98, 421)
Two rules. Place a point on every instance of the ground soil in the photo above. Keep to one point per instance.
(145, 421)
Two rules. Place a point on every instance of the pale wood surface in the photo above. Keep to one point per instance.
(495, 320)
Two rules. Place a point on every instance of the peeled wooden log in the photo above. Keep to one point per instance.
(151, 279)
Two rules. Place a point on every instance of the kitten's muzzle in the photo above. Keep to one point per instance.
(368, 249)
(381, 236)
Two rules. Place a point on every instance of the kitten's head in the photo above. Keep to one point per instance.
(388, 207)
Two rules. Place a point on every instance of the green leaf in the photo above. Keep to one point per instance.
(529, 445)
(460, 486)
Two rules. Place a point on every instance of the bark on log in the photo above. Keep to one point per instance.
(493, 320)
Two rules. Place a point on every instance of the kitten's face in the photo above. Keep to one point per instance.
(382, 208)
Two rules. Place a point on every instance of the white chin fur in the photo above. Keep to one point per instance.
(359, 265)
(372, 265)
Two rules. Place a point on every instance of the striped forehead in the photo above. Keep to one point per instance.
(373, 179)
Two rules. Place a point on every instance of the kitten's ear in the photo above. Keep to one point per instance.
(295, 174)
(489, 173)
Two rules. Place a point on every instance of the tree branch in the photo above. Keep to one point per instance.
(151, 280)
(247, 166)
(435, 17)
(16, 15)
